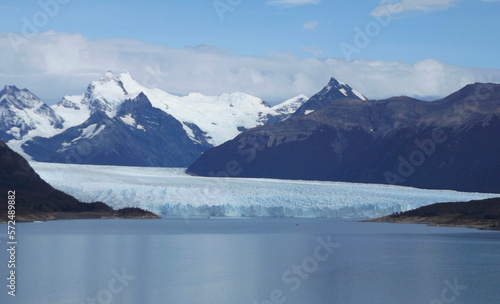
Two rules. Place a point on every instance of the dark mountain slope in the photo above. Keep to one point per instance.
(37, 200)
(451, 143)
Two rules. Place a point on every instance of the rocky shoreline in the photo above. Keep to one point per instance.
(126, 213)
(482, 214)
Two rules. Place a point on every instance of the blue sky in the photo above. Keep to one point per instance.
(443, 34)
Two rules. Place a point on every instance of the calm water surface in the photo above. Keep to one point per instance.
(251, 260)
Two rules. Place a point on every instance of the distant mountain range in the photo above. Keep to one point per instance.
(336, 135)
(451, 143)
(119, 122)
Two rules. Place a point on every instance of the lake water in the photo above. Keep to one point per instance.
(251, 260)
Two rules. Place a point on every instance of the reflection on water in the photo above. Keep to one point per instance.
(252, 261)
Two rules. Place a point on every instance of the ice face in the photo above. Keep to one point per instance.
(169, 191)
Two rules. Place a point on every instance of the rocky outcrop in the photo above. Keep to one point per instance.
(482, 214)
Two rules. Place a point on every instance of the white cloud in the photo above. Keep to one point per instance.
(311, 25)
(55, 64)
(291, 3)
(387, 6)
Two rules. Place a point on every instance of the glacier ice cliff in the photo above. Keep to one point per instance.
(171, 192)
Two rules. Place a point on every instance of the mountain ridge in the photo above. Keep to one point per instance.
(138, 135)
(21, 112)
(206, 120)
(383, 141)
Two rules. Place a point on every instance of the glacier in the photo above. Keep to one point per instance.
(171, 192)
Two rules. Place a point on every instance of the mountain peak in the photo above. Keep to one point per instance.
(109, 80)
(22, 111)
(9, 89)
(332, 91)
(15, 91)
(335, 82)
(20, 98)
(111, 76)
(111, 90)
(343, 88)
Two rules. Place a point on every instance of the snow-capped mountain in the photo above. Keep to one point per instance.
(105, 95)
(137, 135)
(116, 121)
(22, 113)
(332, 91)
(220, 118)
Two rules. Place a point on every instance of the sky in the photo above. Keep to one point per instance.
(273, 49)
